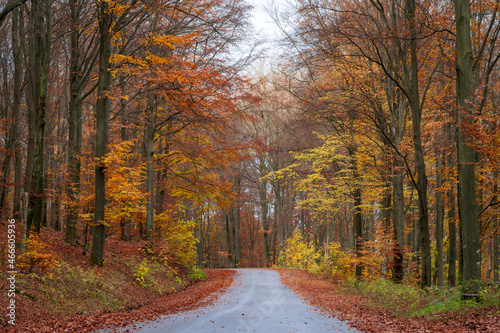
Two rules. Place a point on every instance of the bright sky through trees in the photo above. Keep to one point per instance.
(267, 30)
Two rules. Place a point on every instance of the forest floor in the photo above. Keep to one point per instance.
(368, 316)
(74, 296)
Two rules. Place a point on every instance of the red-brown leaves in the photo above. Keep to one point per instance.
(321, 292)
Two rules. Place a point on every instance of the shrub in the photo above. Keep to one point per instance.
(197, 274)
(338, 263)
(82, 290)
(299, 253)
(491, 296)
(142, 273)
(37, 256)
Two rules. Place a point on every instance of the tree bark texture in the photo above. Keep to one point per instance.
(439, 220)
(421, 184)
(40, 51)
(149, 152)
(102, 128)
(468, 208)
(75, 125)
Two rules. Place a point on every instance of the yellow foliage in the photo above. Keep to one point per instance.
(300, 253)
(37, 256)
(142, 272)
(338, 264)
(179, 238)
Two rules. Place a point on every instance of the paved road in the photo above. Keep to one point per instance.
(256, 302)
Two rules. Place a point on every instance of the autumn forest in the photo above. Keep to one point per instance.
(366, 148)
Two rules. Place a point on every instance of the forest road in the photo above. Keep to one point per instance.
(257, 301)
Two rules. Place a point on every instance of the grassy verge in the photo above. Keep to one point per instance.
(382, 306)
(409, 300)
(56, 280)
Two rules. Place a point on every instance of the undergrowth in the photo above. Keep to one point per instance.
(375, 286)
(55, 280)
(409, 300)
(81, 290)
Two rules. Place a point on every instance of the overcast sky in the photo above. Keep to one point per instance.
(267, 31)
(264, 24)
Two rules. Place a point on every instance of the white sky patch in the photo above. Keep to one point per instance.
(266, 28)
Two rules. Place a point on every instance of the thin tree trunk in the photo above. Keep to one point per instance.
(439, 221)
(264, 212)
(495, 229)
(149, 152)
(236, 221)
(125, 223)
(452, 254)
(198, 233)
(228, 233)
(399, 221)
(278, 217)
(358, 215)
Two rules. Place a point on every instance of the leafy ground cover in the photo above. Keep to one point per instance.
(58, 290)
(372, 308)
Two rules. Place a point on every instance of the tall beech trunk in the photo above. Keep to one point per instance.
(468, 208)
(40, 63)
(75, 125)
(102, 127)
(421, 183)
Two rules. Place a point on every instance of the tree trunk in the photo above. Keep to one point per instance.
(102, 124)
(40, 64)
(468, 209)
(264, 212)
(399, 221)
(228, 233)
(278, 217)
(439, 221)
(149, 152)
(236, 221)
(198, 233)
(75, 126)
(421, 185)
(495, 228)
(17, 60)
(358, 215)
(125, 223)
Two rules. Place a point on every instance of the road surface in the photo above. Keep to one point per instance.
(257, 302)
